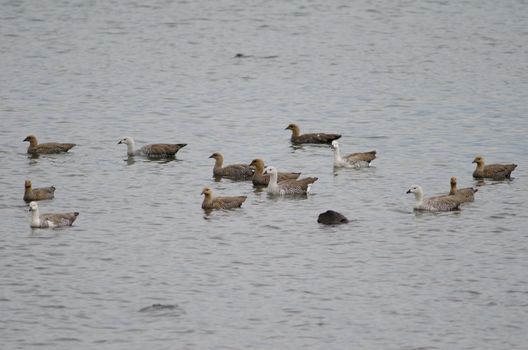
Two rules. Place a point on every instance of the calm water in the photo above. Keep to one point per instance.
(429, 85)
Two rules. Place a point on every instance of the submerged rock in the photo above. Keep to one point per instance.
(331, 217)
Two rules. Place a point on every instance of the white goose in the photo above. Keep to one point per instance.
(290, 186)
(155, 150)
(50, 220)
(437, 203)
(353, 160)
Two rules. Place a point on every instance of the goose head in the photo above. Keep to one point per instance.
(479, 160)
(270, 170)
(294, 128)
(127, 140)
(207, 192)
(217, 156)
(257, 163)
(33, 206)
(416, 189)
(32, 139)
(335, 145)
(27, 184)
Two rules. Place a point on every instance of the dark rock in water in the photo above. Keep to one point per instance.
(158, 307)
(331, 217)
(241, 55)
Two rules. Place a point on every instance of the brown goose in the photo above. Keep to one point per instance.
(46, 148)
(37, 194)
(211, 202)
(155, 150)
(463, 194)
(492, 171)
(259, 179)
(50, 220)
(437, 203)
(234, 171)
(353, 160)
(292, 186)
(310, 138)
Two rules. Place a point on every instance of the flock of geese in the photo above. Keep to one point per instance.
(276, 183)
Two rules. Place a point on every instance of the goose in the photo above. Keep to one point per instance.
(292, 186)
(37, 194)
(353, 160)
(297, 138)
(211, 202)
(155, 150)
(492, 171)
(437, 203)
(463, 194)
(234, 171)
(259, 179)
(331, 217)
(50, 220)
(46, 148)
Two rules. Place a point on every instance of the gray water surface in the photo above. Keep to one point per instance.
(428, 84)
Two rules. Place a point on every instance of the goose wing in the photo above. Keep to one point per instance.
(361, 156)
(162, 149)
(51, 147)
(59, 219)
(228, 202)
(315, 138)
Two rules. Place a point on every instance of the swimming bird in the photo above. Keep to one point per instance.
(46, 148)
(211, 202)
(37, 194)
(259, 179)
(291, 186)
(50, 220)
(331, 217)
(155, 150)
(234, 171)
(297, 138)
(463, 194)
(353, 160)
(492, 171)
(437, 203)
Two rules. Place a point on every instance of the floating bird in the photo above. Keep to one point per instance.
(437, 203)
(297, 138)
(46, 148)
(331, 217)
(234, 171)
(155, 150)
(353, 160)
(50, 220)
(37, 194)
(292, 186)
(211, 202)
(259, 179)
(463, 194)
(492, 171)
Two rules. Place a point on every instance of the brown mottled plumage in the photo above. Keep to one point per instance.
(50, 220)
(436, 203)
(492, 171)
(259, 179)
(155, 150)
(46, 148)
(211, 202)
(234, 171)
(37, 194)
(291, 186)
(353, 160)
(462, 194)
